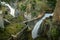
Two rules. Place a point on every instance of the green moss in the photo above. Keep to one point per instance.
(34, 14)
(16, 27)
(20, 18)
(54, 32)
(11, 29)
(4, 35)
(23, 7)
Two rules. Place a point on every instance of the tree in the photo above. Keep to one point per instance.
(56, 16)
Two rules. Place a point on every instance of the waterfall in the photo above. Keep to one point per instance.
(12, 10)
(37, 26)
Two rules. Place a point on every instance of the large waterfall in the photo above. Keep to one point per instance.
(12, 10)
(37, 26)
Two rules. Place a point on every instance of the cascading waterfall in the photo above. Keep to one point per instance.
(35, 29)
(12, 10)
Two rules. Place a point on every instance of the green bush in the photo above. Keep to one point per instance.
(11, 29)
(51, 3)
(54, 32)
(23, 7)
(34, 14)
(14, 28)
(20, 18)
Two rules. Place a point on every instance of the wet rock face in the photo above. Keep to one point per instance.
(1, 20)
(16, 13)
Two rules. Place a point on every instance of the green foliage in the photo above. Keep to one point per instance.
(37, 7)
(33, 4)
(34, 14)
(4, 35)
(14, 28)
(6, 1)
(11, 29)
(54, 32)
(23, 7)
(20, 18)
(51, 3)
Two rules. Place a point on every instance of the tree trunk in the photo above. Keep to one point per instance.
(56, 16)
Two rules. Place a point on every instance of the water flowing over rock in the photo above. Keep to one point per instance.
(37, 26)
(12, 10)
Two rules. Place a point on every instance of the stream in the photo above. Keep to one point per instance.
(37, 25)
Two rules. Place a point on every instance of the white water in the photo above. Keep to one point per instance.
(12, 10)
(37, 26)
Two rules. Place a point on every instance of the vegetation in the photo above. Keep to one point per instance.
(49, 28)
(51, 3)
(11, 29)
(35, 7)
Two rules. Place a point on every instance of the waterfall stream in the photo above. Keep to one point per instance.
(12, 10)
(37, 25)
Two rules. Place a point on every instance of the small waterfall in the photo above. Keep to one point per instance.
(12, 10)
(35, 29)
